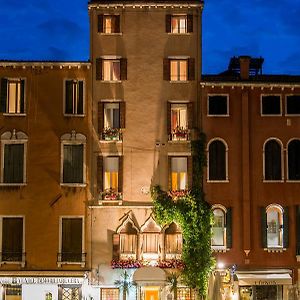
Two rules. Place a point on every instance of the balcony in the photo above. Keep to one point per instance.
(13, 257)
(180, 133)
(111, 196)
(75, 258)
(111, 134)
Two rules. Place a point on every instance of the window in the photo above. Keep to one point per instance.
(13, 154)
(128, 241)
(111, 69)
(13, 96)
(218, 228)
(271, 105)
(73, 159)
(179, 123)
(12, 240)
(111, 130)
(110, 294)
(218, 105)
(179, 24)
(179, 69)
(71, 241)
(109, 24)
(179, 177)
(69, 293)
(173, 241)
(74, 97)
(12, 292)
(185, 293)
(272, 160)
(294, 160)
(217, 161)
(293, 105)
(111, 173)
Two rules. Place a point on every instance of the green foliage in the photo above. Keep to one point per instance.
(193, 214)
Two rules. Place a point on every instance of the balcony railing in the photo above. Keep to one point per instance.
(111, 134)
(13, 257)
(111, 195)
(180, 134)
(71, 258)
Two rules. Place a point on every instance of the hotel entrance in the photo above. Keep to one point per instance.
(150, 293)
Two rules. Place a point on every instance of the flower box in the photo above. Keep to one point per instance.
(111, 134)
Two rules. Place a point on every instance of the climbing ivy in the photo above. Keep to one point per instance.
(193, 214)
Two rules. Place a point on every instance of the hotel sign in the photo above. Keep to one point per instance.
(41, 280)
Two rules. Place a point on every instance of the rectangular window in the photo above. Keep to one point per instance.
(173, 243)
(70, 293)
(179, 24)
(111, 173)
(185, 294)
(178, 70)
(179, 124)
(150, 243)
(111, 69)
(178, 173)
(271, 105)
(73, 163)
(71, 240)
(293, 105)
(218, 105)
(128, 243)
(111, 24)
(12, 292)
(110, 294)
(111, 130)
(74, 97)
(12, 239)
(218, 229)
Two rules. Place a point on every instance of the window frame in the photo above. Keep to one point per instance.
(227, 106)
(83, 97)
(83, 260)
(186, 173)
(286, 98)
(9, 138)
(23, 262)
(104, 170)
(186, 24)
(104, 27)
(261, 105)
(281, 231)
(72, 139)
(111, 59)
(221, 248)
(179, 59)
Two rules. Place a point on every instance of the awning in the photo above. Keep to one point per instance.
(264, 278)
(149, 275)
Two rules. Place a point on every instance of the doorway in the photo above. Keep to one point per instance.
(151, 293)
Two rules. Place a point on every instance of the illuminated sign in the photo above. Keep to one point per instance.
(41, 280)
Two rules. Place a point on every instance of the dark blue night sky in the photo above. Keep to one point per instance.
(59, 30)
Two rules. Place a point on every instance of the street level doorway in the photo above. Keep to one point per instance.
(150, 293)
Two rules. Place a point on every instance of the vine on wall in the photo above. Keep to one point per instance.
(193, 214)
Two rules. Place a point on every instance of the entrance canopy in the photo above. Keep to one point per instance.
(149, 275)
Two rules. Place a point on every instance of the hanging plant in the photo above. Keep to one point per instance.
(193, 214)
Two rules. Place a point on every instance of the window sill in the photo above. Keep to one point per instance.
(273, 181)
(292, 115)
(113, 202)
(217, 181)
(22, 263)
(179, 33)
(113, 33)
(14, 115)
(75, 115)
(12, 184)
(73, 184)
(293, 181)
(179, 81)
(111, 81)
(81, 263)
(110, 141)
(221, 249)
(277, 115)
(179, 141)
(275, 250)
(218, 116)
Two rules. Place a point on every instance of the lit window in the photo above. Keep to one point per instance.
(173, 242)
(179, 173)
(111, 23)
(70, 293)
(217, 105)
(218, 228)
(179, 122)
(74, 97)
(272, 160)
(111, 173)
(293, 105)
(217, 161)
(178, 70)
(111, 130)
(271, 105)
(274, 227)
(294, 160)
(111, 69)
(185, 294)
(12, 292)
(110, 294)
(179, 24)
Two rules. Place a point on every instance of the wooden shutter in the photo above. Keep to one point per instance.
(264, 227)
(229, 228)
(190, 171)
(189, 23)
(67, 168)
(120, 175)
(286, 227)
(13, 163)
(168, 23)
(166, 69)
(3, 95)
(69, 97)
(99, 174)
(80, 98)
(169, 129)
(77, 164)
(298, 230)
(123, 67)
(100, 23)
(190, 115)
(116, 246)
(100, 118)
(191, 69)
(122, 114)
(99, 69)
(170, 172)
(117, 24)
(22, 97)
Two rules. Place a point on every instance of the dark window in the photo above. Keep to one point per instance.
(294, 160)
(293, 105)
(73, 164)
(74, 97)
(217, 161)
(217, 105)
(271, 105)
(13, 163)
(71, 244)
(12, 239)
(272, 160)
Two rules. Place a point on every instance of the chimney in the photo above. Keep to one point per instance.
(244, 67)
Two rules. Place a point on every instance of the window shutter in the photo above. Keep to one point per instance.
(100, 118)
(100, 23)
(77, 163)
(3, 95)
(99, 174)
(191, 69)
(123, 67)
(169, 129)
(120, 175)
(286, 227)
(80, 98)
(122, 114)
(117, 24)
(264, 227)
(116, 246)
(169, 173)
(166, 69)
(67, 171)
(13, 163)
(229, 228)
(168, 23)
(99, 69)
(22, 97)
(190, 171)
(69, 97)
(189, 23)
(190, 115)
(298, 230)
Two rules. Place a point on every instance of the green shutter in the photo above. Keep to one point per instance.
(298, 230)
(286, 227)
(120, 174)
(22, 97)
(99, 174)
(3, 95)
(69, 97)
(13, 163)
(264, 227)
(80, 98)
(67, 164)
(229, 228)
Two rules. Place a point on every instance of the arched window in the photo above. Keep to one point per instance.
(274, 226)
(272, 160)
(218, 228)
(294, 160)
(173, 241)
(217, 160)
(128, 241)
